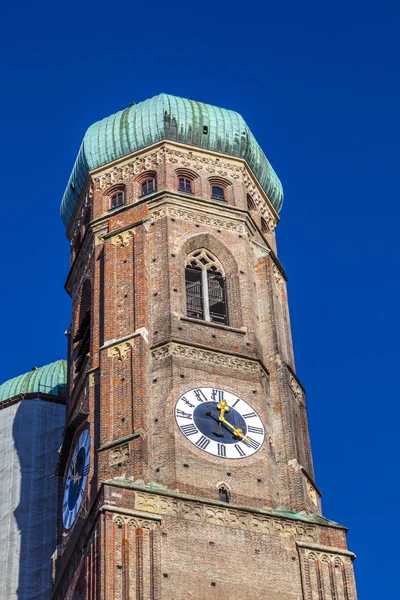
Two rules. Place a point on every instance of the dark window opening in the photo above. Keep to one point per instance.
(250, 203)
(205, 129)
(117, 199)
(264, 226)
(185, 185)
(216, 296)
(223, 495)
(217, 193)
(205, 288)
(194, 293)
(82, 337)
(148, 186)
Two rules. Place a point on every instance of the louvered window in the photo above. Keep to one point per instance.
(205, 288)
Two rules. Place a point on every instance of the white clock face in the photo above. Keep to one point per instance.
(219, 423)
(76, 481)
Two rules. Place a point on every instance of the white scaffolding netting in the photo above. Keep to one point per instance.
(30, 435)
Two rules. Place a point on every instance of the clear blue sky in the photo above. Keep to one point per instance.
(318, 83)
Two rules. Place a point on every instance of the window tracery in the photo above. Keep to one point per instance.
(205, 287)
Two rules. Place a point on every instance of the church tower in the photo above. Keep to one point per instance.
(186, 468)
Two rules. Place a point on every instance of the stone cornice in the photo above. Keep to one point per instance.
(279, 514)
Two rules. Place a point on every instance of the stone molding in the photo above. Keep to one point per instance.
(208, 357)
(225, 517)
(122, 239)
(120, 348)
(197, 161)
(296, 389)
(197, 217)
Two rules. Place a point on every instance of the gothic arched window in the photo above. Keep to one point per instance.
(223, 494)
(205, 287)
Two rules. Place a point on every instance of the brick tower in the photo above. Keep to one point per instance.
(186, 469)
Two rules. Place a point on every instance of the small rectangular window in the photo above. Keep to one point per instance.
(148, 186)
(217, 193)
(117, 199)
(185, 185)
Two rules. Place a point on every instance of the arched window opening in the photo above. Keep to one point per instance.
(148, 186)
(77, 242)
(250, 203)
(205, 288)
(223, 494)
(82, 337)
(117, 199)
(185, 185)
(264, 226)
(218, 193)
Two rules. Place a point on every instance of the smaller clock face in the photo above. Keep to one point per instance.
(219, 423)
(76, 481)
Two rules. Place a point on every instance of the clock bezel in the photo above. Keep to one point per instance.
(229, 451)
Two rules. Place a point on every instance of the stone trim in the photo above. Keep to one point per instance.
(327, 549)
(196, 217)
(223, 359)
(242, 330)
(233, 517)
(306, 519)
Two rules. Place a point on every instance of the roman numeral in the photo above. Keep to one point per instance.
(249, 415)
(65, 505)
(240, 450)
(86, 470)
(189, 429)
(183, 414)
(202, 442)
(221, 450)
(251, 443)
(259, 430)
(233, 405)
(186, 401)
(217, 395)
(200, 396)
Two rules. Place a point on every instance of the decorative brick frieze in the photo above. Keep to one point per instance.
(209, 357)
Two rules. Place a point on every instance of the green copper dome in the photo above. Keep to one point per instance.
(167, 117)
(50, 379)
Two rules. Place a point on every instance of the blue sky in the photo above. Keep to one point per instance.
(318, 84)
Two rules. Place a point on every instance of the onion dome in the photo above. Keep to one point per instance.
(166, 117)
(50, 379)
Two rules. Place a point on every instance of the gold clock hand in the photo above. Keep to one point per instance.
(237, 431)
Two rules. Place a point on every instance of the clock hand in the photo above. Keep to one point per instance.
(237, 431)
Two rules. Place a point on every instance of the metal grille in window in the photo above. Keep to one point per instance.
(148, 186)
(205, 288)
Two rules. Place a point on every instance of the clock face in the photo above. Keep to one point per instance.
(219, 423)
(76, 481)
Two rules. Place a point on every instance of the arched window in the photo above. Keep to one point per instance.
(148, 186)
(117, 199)
(185, 185)
(82, 337)
(250, 203)
(218, 193)
(223, 494)
(264, 226)
(205, 288)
